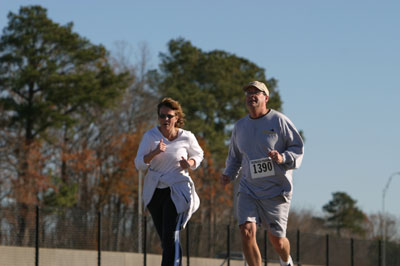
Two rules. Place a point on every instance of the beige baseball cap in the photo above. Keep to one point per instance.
(259, 85)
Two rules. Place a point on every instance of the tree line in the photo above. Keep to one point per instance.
(72, 115)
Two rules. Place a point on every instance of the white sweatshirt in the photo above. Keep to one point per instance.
(165, 171)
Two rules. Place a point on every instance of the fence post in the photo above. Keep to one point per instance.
(327, 249)
(187, 245)
(265, 248)
(379, 253)
(144, 241)
(37, 237)
(298, 248)
(352, 251)
(228, 245)
(99, 238)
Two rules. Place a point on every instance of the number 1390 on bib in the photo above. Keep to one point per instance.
(263, 167)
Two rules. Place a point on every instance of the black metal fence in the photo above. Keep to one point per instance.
(112, 230)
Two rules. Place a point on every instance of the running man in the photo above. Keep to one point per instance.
(267, 147)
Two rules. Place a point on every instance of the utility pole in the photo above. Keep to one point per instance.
(140, 213)
(384, 217)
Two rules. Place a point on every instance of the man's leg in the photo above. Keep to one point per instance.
(281, 246)
(251, 251)
(274, 213)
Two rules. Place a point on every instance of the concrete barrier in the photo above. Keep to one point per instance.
(23, 256)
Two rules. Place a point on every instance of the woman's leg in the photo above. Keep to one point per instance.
(156, 210)
(165, 218)
(170, 247)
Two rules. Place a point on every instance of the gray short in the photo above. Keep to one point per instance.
(272, 213)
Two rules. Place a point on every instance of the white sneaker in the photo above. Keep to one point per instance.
(290, 263)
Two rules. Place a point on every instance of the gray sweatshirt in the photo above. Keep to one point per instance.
(252, 139)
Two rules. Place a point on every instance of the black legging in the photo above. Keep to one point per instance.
(165, 218)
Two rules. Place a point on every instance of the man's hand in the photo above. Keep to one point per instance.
(276, 156)
(224, 179)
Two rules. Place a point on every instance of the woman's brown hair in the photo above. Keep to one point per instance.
(174, 105)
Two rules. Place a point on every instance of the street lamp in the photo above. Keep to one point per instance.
(140, 213)
(384, 218)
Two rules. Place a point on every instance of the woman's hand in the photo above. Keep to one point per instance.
(161, 147)
(185, 164)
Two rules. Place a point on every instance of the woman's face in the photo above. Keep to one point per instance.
(167, 118)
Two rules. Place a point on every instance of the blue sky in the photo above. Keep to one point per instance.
(337, 63)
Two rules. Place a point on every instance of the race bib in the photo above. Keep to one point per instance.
(262, 168)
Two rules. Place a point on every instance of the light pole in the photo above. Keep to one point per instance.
(140, 218)
(384, 217)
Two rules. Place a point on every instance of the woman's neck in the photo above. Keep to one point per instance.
(169, 134)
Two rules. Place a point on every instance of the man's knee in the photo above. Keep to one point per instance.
(279, 243)
(248, 231)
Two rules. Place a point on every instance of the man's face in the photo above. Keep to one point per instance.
(255, 98)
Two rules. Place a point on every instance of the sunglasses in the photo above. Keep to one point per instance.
(163, 116)
(248, 93)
